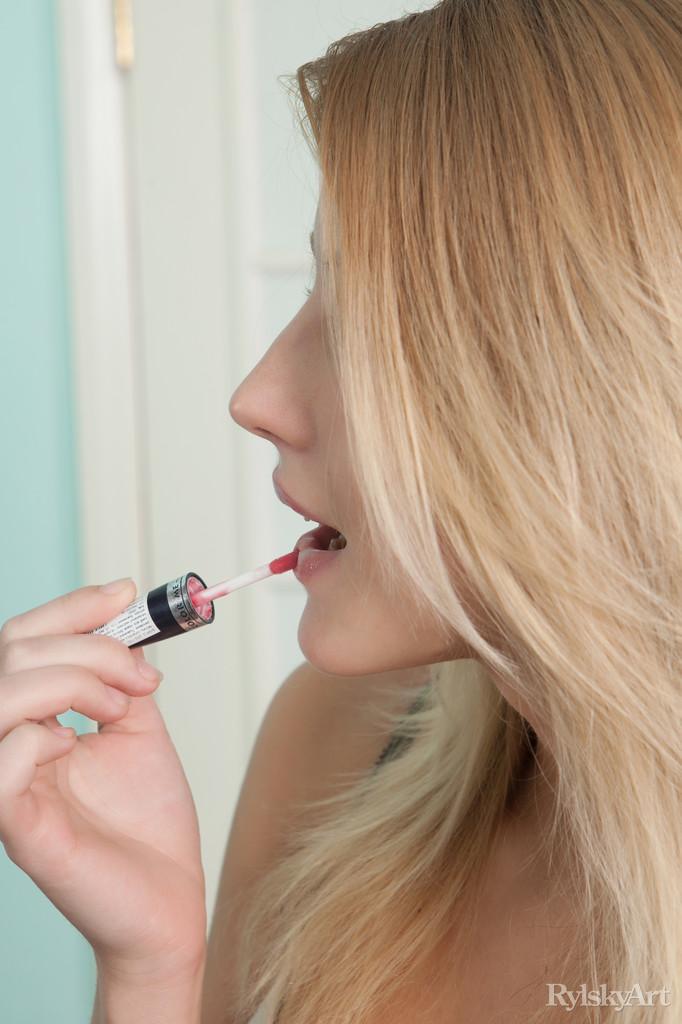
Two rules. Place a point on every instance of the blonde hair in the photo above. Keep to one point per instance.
(501, 191)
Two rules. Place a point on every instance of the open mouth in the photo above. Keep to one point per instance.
(322, 538)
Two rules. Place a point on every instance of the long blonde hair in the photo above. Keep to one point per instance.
(502, 195)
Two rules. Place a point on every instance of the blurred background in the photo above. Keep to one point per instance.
(157, 198)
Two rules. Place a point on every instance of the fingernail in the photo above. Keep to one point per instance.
(149, 671)
(116, 586)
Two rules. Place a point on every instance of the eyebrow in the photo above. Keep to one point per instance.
(312, 244)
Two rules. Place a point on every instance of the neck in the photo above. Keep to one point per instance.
(532, 802)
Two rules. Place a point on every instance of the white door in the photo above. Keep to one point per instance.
(192, 194)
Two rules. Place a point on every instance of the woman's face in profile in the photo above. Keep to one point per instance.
(291, 398)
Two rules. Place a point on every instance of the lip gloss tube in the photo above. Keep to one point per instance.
(165, 611)
(182, 605)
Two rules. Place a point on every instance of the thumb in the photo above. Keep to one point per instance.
(144, 714)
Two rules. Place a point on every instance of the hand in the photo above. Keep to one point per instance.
(104, 823)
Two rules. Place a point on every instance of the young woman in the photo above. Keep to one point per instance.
(482, 393)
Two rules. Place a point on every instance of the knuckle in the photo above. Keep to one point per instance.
(115, 660)
(91, 686)
(12, 656)
(9, 630)
(67, 683)
(112, 653)
(34, 737)
(83, 677)
(115, 699)
(124, 661)
(71, 597)
(27, 735)
(31, 730)
(108, 645)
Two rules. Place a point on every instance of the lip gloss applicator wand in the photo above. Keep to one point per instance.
(182, 605)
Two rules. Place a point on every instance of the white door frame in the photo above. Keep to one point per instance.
(99, 236)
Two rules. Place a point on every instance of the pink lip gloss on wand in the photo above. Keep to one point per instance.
(182, 605)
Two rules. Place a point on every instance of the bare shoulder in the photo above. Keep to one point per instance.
(316, 728)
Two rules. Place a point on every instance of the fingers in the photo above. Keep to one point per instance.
(112, 661)
(52, 722)
(52, 689)
(21, 753)
(79, 611)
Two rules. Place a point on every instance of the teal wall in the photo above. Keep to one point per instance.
(46, 966)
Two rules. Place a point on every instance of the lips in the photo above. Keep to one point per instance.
(306, 513)
(286, 500)
(315, 560)
(318, 538)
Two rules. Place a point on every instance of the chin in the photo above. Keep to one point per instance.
(336, 648)
(329, 649)
(339, 650)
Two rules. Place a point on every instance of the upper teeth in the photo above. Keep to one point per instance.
(337, 542)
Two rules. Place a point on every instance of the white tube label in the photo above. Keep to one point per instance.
(132, 625)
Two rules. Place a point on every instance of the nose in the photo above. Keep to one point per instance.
(241, 409)
(251, 404)
(268, 402)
